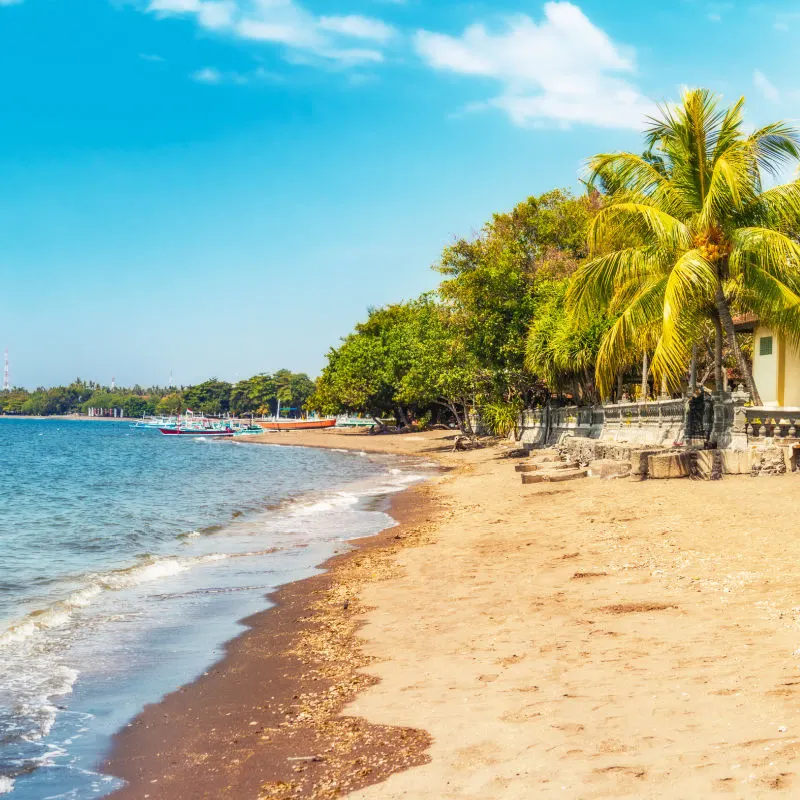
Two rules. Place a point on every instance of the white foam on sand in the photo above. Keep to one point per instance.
(338, 502)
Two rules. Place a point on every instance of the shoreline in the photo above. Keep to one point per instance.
(271, 698)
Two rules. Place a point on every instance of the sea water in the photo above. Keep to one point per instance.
(127, 559)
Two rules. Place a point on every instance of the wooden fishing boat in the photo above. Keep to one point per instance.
(197, 431)
(296, 424)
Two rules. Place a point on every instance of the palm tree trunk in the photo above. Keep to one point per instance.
(724, 313)
(645, 367)
(693, 371)
(717, 353)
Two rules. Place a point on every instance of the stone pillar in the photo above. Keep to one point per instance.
(738, 437)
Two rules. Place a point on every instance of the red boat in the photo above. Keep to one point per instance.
(296, 424)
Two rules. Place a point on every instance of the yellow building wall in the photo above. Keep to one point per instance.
(766, 370)
(791, 375)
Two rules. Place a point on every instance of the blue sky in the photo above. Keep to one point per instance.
(222, 187)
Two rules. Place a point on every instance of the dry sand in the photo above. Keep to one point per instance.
(598, 639)
(585, 640)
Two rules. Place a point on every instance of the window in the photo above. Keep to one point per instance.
(765, 346)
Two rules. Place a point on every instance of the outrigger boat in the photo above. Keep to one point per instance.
(249, 430)
(278, 423)
(192, 431)
(156, 422)
(193, 425)
(296, 424)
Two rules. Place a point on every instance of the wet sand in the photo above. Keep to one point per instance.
(585, 640)
(266, 720)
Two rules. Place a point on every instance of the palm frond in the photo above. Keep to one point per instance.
(776, 304)
(689, 289)
(622, 344)
(672, 353)
(655, 227)
(767, 250)
(595, 282)
(730, 130)
(775, 146)
(634, 174)
(778, 206)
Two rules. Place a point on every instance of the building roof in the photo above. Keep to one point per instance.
(745, 322)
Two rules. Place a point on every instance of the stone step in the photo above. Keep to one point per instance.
(608, 469)
(546, 467)
(553, 477)
(547, 459)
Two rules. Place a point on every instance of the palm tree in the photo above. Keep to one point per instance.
(688, 234)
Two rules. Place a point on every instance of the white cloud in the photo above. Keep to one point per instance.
(766, 87)
(284, 22)
(563, 70)
(358, 27)
(278, 32)
(207, 75)
(216, 14)
(174, 6)
(214, 77)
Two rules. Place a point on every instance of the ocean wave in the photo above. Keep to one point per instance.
(37, 708)
(339, 501)
(60, 613)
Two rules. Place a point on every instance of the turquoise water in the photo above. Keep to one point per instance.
(126, 559)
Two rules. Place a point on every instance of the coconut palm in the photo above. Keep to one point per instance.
(689, 234)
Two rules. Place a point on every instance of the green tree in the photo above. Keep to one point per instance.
(693, 235)
(211, 397)
(355, 379)
(561, 352)
(492, 282)
(171, 404)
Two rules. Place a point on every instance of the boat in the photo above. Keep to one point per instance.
(296, 424)
(197, 431)
(249, 430)
(156, 422)
(356, 422)
(191, 424)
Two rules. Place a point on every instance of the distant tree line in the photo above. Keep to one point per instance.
(259, 395)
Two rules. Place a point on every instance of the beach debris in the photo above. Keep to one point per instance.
(637, 608)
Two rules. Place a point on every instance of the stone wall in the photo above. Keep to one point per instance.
(660, 422)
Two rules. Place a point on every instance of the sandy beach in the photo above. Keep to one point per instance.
(595, 639)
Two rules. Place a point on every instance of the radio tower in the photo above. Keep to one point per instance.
(6, 382)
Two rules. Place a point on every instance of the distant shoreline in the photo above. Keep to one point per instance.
(76, 417)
